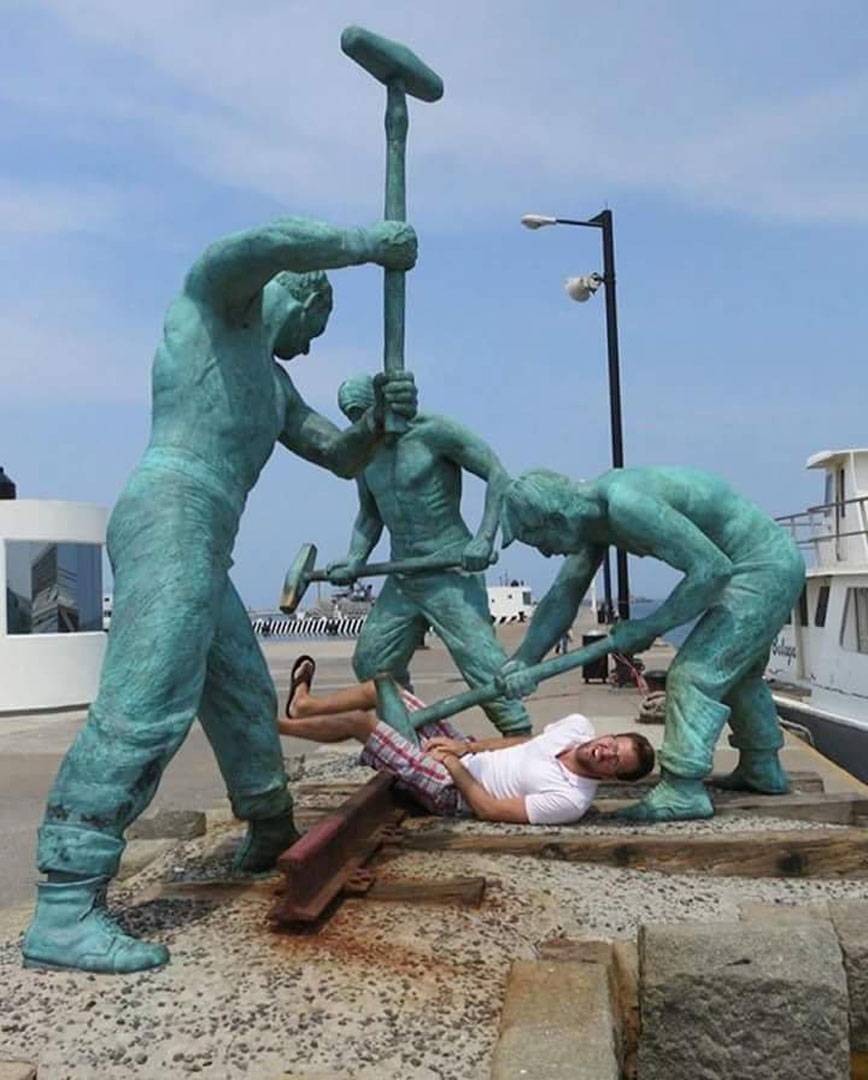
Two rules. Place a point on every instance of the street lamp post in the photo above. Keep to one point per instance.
(582, 289)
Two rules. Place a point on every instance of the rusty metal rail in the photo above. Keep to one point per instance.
(319, 865)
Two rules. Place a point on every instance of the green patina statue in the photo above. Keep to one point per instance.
(181, 643)
(742, 576)
(413, 487)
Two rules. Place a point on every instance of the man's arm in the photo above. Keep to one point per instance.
(233, 269)
(367, 529)
(472, 453)
(460, 747)
(345, 453)
(647, 523)
(485, 806)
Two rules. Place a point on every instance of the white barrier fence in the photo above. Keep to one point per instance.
(327, 625)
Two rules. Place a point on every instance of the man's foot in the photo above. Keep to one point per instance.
(265, 842)
(299, 682)
(72, 929)
(757, 770)
(673, 799)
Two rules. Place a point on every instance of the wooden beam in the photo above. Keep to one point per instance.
(846, 808)
(808, 853)
(802, 781)
(466, 891)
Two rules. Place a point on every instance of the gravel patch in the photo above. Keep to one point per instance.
(380, 991)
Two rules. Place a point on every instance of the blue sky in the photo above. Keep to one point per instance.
(729, 141)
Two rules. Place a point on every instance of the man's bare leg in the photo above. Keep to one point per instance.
(337, 727)
(362, 696)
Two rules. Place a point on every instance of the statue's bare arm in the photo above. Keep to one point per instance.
(316, 439)
(368, 526)
(556, 612)
(472, 453)
(233, 270)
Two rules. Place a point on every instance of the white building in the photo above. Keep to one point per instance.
(51, 636)
(510, 603)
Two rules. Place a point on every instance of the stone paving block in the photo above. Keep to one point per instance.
(17, 1070)
(557, 1023)
(168, 825)
(755, 911)
(138, 854)
(850, 920)
(742, 1001)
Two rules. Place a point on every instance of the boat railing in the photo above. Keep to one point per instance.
(823, 523)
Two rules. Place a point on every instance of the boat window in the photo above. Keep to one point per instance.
(822, 606)
(839, 494)
(803, 607)
(829, 494)
(854, 629)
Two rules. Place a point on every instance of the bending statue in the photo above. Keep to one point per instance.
(742, 575)
(413, 487)
(181, 643)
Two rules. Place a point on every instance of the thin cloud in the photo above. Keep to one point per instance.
(265, 102)
(51, 209)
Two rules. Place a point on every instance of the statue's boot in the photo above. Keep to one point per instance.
(265, 842)
(71, 929)
(757, 770)
(675, 798)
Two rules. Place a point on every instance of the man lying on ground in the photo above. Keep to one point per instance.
(546, 779)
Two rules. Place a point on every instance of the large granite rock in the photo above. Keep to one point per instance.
(850, 919)
(742, 1001)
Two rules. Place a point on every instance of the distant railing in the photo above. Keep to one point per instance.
(816, 518)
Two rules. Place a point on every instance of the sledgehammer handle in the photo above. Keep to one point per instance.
(546, 670)
(394, 293)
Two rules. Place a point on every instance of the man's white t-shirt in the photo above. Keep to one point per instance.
(552, 794)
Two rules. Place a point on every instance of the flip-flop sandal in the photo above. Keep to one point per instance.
(296, 680)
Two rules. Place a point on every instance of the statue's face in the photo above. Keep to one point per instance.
(298, 328)
(548, 538)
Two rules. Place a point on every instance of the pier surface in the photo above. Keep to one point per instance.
(385, 988)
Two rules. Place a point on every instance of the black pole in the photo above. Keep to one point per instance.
(608, 610)
(604, 220)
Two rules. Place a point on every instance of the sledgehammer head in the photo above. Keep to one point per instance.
(298, 578)
(388, 61)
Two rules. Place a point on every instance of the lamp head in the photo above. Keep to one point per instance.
(536, 221)
(583, 288)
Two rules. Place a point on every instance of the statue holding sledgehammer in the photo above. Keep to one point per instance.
(412, 486)
(742, 575)
(181, 643)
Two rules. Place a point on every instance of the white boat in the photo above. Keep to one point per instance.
(819, 661)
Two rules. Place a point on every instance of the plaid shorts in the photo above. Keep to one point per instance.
(418, 773)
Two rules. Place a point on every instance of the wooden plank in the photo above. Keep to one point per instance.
(467, 891)
(846, 808)
(211, 890)
(808, 853)
(802, 781)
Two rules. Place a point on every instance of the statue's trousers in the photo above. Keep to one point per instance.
(717, 675)
(456, 607)
(180, 645)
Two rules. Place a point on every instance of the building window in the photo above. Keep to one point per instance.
(840, 493)
(822, 606)
(854, 629)
(53, 588)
